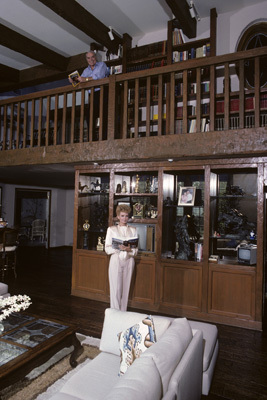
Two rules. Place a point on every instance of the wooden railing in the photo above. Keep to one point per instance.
(205, 94)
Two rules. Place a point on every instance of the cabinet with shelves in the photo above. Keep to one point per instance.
(93, 203)
(233, 210)
(188, 262)
(183, 215)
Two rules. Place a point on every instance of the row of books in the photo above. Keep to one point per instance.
(149, 65)
(203, 51)
(143, 93)
(177, 37)
(192, 88)
(249, 104)
(191, 110)
(219, 123)
(204, 127)
(153, 49)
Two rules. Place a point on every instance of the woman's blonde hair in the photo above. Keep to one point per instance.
(123, 208)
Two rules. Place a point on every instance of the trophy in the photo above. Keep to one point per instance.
(136, 189)
(100, 245)
(86, 227)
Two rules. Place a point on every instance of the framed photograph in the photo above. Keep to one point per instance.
(187, 196)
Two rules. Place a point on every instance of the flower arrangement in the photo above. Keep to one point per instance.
(13, 304)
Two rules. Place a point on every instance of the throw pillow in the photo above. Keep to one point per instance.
(134, 341)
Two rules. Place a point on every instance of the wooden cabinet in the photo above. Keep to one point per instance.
(191, 218)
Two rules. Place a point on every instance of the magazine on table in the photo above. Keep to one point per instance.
(133, 242)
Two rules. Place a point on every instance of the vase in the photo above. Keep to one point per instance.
(2, 328)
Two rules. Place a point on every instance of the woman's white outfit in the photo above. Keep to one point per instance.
(121, 266)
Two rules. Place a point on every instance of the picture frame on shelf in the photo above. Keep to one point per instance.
(186, 196)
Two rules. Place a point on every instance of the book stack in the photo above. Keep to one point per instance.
(177, 37)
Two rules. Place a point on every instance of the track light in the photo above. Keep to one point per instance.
(193, 11)
(110, 33)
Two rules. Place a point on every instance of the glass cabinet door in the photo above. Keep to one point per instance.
(93, 209)
(183, 215)
(233, 212)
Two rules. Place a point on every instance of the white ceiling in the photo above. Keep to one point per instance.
(135, 17)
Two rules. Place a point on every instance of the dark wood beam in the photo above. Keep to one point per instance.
(44, 74)
(17, 42)
(82, 19)
(180, 9)
(9, 73)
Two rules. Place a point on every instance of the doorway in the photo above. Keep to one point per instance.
(33, 207)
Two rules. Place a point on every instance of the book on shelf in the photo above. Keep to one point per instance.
(132, 242)
(74, 76)
(177, 37)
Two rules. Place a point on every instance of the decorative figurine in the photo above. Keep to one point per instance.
(100, 246)
(118, 188)
(124, 187)
(136, 189)
(138, 210)
(148, 186)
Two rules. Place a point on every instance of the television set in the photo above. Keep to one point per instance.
(247, 255)
(146, 235)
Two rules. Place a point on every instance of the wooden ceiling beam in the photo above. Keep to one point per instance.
(21, 44)
(180, 10)
(78, 16)
(9, 73)
(43, 74)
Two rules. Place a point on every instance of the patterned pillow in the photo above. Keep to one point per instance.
(134, 341)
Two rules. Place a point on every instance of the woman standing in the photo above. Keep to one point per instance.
(121, 263)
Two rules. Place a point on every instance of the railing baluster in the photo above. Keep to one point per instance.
(64, 117)
(212, 98)
(101, 113)
(226, 96)
(257, 91)
(148, 103)
(160, 105)
(11, 126)
(55, 120)
(18, 144)
(136, 108)
(185, 96)
(82, 116)
(40, 116)
(5, 139)
(91, 115)
(198, 105)
(32, 123)
(171, 107)
(25, 123)
(47, 127)
(73, 112)
(241, 95)
(125, 110)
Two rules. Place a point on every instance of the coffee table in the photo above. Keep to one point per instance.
(28, 341)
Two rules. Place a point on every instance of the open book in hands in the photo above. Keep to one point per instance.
(133, 242)
(74, 76)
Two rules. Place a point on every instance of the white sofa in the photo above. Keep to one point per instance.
(172, 368)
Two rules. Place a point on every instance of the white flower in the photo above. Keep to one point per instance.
(13, 304)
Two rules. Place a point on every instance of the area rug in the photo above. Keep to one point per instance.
(31, 386)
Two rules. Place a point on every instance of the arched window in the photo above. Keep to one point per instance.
(253, 37)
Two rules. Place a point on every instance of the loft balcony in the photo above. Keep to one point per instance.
(206, 107)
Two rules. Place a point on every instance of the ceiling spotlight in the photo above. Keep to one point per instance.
(193, 11)
(110, 33)
(170, 159)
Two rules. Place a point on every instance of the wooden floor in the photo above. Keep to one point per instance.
(241, 370)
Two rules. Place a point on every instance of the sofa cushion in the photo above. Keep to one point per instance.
(95, 379)
(141, 381)
(117, 321)
(168, 351)
(134, 341)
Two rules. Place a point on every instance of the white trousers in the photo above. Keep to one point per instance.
(120, 275)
